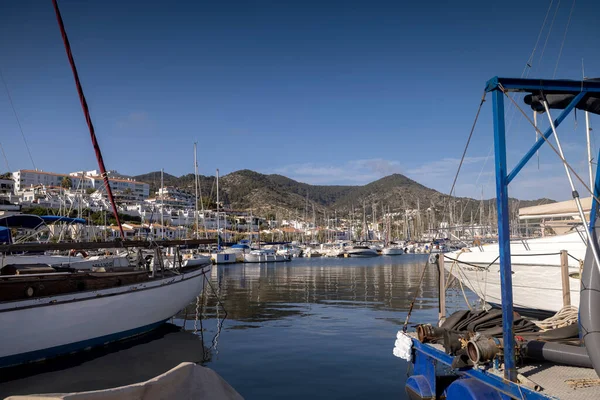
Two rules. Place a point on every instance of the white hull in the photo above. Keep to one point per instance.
(536, 271)
(362, 253)
(224, 258)
(49, 326)
(392, 251)
(39, 259)
(196, 261)
(258, 258)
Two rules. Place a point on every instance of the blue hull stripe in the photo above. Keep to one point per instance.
(39, 355)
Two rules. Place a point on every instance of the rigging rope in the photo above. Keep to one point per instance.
(412, 303)
(548, 35)
(462, 159)
(568, 315)
(530, 60)
(5, 159)
(564, 38)
(12, 105)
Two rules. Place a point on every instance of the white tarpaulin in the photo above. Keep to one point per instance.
(553, 210)
(185, 381)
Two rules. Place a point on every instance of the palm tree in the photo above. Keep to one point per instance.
(66, 182)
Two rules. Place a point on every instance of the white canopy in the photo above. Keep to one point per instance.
(554, 210)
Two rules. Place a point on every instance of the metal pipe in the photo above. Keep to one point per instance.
(428, 332)
(482, 349)
(510, 371)
(589, 148)
(588, 307)
(558, 353)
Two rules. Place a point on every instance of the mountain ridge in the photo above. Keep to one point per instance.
(276, 194)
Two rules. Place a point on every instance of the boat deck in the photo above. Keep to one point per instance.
(555, 381)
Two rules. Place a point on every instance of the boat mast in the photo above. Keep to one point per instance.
(88, 118)
(588, 131)
(218, 236)
(162, 204)
(196, 187)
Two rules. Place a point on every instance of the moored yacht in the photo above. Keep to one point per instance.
(265, 255)
(361, 251)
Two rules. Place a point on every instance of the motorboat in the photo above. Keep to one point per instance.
(392, 251)
(265, 255)
(361, 251)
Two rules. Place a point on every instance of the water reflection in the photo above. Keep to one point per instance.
(255, 293)
(322, 327)
(117, 364)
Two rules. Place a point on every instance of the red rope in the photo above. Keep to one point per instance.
(88, 119)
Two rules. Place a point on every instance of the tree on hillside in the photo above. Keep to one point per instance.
(66, 182)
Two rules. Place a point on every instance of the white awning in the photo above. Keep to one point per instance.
(555, 210)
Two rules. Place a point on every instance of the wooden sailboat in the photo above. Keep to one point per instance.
(53, 309)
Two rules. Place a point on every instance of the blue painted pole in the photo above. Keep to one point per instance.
(596, 191)
(510, 371)
(546, 135)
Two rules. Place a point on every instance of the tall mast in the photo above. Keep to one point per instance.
(196, 187)
(588, 130)
(162, 204)
(218, 222)
(88, 118)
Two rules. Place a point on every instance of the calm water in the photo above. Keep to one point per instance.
(311, 327)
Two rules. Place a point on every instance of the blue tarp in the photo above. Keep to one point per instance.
(50, 219)
(5, 237)
(22, 221)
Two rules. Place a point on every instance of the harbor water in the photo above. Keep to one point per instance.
(312, 327)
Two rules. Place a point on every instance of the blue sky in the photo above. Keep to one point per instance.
(332, 92)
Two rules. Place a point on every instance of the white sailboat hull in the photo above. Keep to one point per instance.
(224, 258)
(50, 326)
(536, 272)
(258, 258)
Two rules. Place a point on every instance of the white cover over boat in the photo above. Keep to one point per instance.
(185, 381)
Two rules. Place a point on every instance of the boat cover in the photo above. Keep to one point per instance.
(5, 237)
(50, 219)
(22, 221)
(559, 209)
(590, 103)
(185, 381)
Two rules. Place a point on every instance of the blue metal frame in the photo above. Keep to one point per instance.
(503, 386)
(596, 190)
(546, 135)
(498, 86)
(426, 356)
(510, 371)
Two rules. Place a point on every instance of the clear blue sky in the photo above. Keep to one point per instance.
(328, 92)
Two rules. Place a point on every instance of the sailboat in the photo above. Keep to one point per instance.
(51, 309)
(220, 256)
(536, 264)
(390, 249)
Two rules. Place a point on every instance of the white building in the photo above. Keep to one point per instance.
(82, 180)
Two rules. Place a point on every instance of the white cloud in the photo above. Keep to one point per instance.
(134, 120)
(355, 172)
(477, 173)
